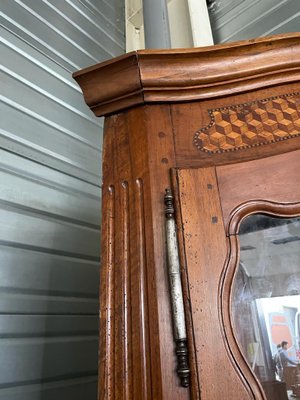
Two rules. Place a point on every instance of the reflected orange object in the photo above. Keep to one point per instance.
(280, 330)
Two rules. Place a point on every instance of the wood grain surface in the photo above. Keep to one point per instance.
(137, 359)
(213, 201)
(156, 102)
(190, 118)
(273, 179)
(250, 124)
(206, 253)
(148, 76)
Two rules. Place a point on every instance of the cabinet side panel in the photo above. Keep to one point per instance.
(137, 350)
(206, 254)
(152, 155)
(106, 359)
(124, 331)
(129, 323)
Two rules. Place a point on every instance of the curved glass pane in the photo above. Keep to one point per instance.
(265, 302)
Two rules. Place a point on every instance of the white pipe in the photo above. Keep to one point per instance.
(200, 23)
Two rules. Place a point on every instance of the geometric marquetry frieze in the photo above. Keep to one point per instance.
(250, 124)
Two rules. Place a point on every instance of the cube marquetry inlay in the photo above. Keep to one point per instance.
(250, 124)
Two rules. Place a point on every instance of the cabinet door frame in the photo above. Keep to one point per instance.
(212, 203)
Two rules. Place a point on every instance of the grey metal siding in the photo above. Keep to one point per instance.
(50, 176)
(234, 20)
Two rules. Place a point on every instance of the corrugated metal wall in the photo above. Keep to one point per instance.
(234, 20)
(50, 161)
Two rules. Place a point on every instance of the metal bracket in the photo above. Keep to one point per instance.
(179, 327)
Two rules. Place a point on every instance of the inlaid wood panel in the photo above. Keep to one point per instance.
(188, 119)
(250, 124)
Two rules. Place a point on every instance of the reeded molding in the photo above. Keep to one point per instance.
(151, 76)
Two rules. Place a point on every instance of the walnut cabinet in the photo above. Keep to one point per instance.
(220, 127)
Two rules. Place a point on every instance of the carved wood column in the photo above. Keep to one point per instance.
(136, 344)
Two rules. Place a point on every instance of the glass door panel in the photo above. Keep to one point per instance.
(265, 302)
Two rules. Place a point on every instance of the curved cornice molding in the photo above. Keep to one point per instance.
(158, 76)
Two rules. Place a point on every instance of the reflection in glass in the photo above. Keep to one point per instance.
(266, 302)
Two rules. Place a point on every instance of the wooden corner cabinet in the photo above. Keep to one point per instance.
(200, 285)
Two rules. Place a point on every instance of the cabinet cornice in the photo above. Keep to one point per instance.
(179, 75)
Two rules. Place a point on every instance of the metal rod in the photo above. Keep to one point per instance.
(176, 292)
(156, 24)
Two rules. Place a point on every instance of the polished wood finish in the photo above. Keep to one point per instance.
(136, 344)
(148, 76)
(272, 179)
(213, 202)
(157, 103)
(206, 253)
(189, 118)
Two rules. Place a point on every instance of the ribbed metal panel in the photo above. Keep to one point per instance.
(50, 167)
(234, 20)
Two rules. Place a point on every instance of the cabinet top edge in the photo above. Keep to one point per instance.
(179, 75)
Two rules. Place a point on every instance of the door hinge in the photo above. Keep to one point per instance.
(178, 314)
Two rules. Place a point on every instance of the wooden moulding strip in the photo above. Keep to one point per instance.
(152, 76)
